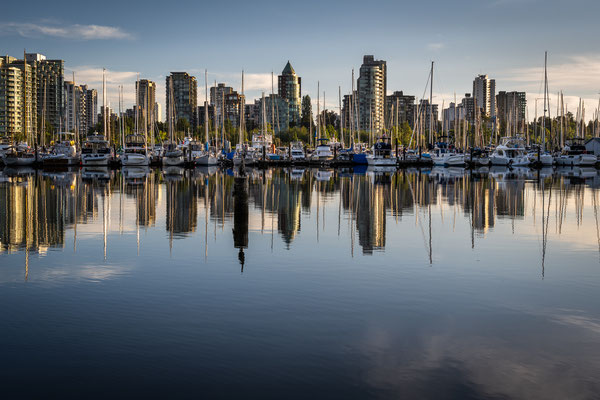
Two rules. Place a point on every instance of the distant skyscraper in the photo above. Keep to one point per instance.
(276, 112)
(158, 112)
(146, 99)
(400, 108)
(511, 109)
(91, 107)
(484, 92)
(372, 85)
(50, 87)
(185, 97)
(290, 89)
(17, 98)
(75, 109)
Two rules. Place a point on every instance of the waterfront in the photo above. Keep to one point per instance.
(301, 283)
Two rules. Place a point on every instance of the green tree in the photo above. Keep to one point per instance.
(306, 119)
(183, 125)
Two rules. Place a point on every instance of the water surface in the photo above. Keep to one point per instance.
(300, 283)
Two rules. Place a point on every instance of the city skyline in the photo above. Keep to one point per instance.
(464, 39)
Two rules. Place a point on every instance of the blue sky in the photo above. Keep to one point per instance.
(505, 39)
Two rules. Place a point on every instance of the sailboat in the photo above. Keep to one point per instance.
(207, 158)
(96, 148)
(135, 151)
(238, 157)
(540, 155)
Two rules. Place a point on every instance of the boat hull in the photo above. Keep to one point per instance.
(134, 160)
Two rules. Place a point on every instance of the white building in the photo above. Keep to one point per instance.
(484, 92)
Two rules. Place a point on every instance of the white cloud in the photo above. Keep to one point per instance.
(92, 76)
(435, 46)
(75, 32)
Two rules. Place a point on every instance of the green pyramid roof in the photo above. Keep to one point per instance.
(288, 70)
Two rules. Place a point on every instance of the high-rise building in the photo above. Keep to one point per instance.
(184, 90)
(400, 108)
(217, 97)
(454, 113)
(349, 110)
(372, 86)
(289, 87)
(233, 104)
(75, 108)
(158, 112)
(275, 110)
(18, 100)
(91, 107)
(429, 111)
(484, 92)
(146, 99)
(511, 109)
(468, 105)
(50, 88)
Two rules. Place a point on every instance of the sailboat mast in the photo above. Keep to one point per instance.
(241, 114)
(340, 107)
(206, 107)
(431, 106)
(318, 111)
(543, 144)
(104, 101)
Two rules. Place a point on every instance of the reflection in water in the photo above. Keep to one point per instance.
(240, 216)
(384, 284)
(38, 208)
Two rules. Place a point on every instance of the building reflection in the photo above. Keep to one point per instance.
(240, 217)
(38, 208)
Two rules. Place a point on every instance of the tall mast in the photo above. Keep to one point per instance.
(25, 133)
(543, 145)
(75, 112)
(272, 104)
(104, 101)
(206, 107)
(340, 107)
(241, 114)
(136, 104)
(431, 106)
(318, 111)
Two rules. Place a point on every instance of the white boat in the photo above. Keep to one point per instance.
(96, 151)
(64, 152)
(544, 158)
(323, 151)
(575, 154)
(510, 152)
(382, 154)
(135, 152)
(173, 156)
(18, 157)
(444, 155)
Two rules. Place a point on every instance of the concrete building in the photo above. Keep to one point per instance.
(511, 109)
(50, 87)
(276, 113)
(146, 99)
(18, 100)
(91, 107)
(349, 110)
(400, 108)
(75, 109)
(484, 92)
(372, 86)
(429, 111)
(289, 87)
(468, 105)
(158, 112)
(452, 114)
(217, 95)
(184, 89)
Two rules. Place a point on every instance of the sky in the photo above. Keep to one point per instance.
(504, 39)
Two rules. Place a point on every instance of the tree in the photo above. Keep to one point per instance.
(183, 125)
(306, 119)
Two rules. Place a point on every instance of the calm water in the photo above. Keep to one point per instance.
(300, 284)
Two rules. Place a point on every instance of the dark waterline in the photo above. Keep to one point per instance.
(300, 283)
